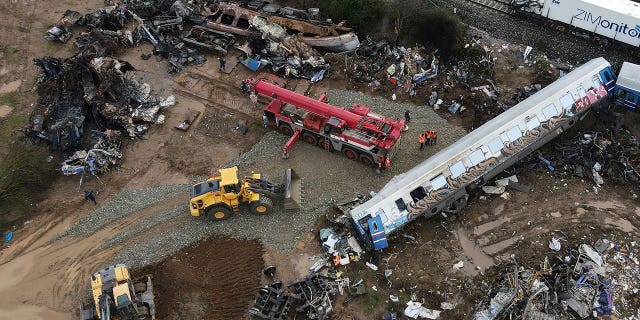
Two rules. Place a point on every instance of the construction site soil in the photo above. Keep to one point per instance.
(206, 270)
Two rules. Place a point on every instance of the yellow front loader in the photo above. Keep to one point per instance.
(222, 195)
(117, 296)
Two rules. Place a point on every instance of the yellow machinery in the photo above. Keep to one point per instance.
(116, 296)
(221, 195)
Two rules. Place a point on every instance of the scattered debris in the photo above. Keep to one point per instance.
(582, 283)
(189, 117)
(415, 310)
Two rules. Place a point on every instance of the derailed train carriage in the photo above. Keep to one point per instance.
(443, 181)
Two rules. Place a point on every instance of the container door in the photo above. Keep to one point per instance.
(607, 77)
(377, 233)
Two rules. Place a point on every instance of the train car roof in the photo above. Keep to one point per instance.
(626, 7)
(424, 170)
(629, 76)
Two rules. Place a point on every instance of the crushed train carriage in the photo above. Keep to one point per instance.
(442, 182)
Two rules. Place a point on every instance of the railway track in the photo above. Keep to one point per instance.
(497, 5)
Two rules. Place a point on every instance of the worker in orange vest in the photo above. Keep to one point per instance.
(433, 137)
(387, 163)
(421, 139)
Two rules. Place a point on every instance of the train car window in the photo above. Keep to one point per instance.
(418, 194)
(514, 133)
(457, 169)
(476, 157)
(533, 123)
(581, 92)
(550, 111)
(401, 205)
(567, 101)
(438, 182)
(596, 82)
(495, 145)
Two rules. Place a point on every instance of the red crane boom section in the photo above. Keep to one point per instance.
(357, 116)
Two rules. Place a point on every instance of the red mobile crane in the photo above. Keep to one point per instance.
(356, 132)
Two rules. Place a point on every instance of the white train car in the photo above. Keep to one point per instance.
(615, 19)
(442, 181)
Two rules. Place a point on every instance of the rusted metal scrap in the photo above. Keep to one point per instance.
(209, 40)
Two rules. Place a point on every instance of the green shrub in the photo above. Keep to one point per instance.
(363, 14)
(438, 29)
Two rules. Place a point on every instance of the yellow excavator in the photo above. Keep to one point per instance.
(117, 297)
(222, 195)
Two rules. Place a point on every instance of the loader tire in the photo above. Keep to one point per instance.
(139, 287)
(262, 206)
(218, 213)
(144, 312)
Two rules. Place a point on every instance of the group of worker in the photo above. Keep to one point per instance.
(427, 138)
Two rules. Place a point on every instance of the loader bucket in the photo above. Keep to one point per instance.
(292, 190)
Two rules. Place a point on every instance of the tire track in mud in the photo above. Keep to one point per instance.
(216, 279)
(216, 94)
(64, 266)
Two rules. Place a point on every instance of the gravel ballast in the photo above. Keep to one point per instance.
(328, 178)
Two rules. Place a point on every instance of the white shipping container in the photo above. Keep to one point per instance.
(615, 19)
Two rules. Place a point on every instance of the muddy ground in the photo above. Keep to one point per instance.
(43, 278)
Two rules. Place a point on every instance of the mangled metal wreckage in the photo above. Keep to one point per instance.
(86, 93)
(234, 18)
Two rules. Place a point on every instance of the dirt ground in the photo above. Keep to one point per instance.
(218, 278)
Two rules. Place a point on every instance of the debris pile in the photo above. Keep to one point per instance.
(86, 92)
(311, 296)
(611, 153)
(579, 285)
(404, 67)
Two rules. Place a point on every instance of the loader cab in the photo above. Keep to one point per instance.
(123, 301)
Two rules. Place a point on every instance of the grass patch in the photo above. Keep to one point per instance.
(11, 55)
(370, 302)
(10, 98)
(24, 178)
(9, 127)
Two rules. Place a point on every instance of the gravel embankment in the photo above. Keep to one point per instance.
(144, 225)
(327, 178)
(126, 202)
(526, 31)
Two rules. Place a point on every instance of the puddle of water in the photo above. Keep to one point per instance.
(5, 110)
(622, 224)
(10, 87)
(475, 254)
(557, 214)
(605, 204)
(481, 229)
(497, 247)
